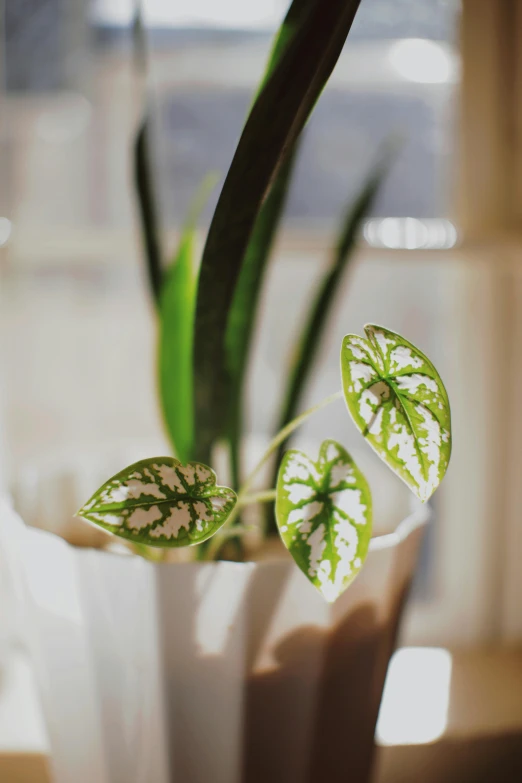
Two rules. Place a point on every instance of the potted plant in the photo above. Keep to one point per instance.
(185, 653)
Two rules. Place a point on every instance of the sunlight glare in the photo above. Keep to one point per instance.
(221, 594)
(423, 61)
(415, 702)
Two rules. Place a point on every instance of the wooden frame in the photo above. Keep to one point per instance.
(490, 214)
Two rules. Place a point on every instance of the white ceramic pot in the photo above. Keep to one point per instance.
(206, 672)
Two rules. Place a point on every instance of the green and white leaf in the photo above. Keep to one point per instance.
(324, 515)
(398, 401)
(161, 502)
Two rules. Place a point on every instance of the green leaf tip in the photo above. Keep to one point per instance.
(175, 333)
(324, 515)
(161, 502)
(397, 400)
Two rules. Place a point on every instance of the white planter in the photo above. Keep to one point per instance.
(207, 673)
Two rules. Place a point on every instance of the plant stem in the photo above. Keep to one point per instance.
(244, 497)
(281, 436)
(258, 497)
(215, 543)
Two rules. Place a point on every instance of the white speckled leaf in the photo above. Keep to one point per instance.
(324, 514)
(161, 502)
(398, 401)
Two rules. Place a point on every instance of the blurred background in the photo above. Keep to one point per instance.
(437, 262)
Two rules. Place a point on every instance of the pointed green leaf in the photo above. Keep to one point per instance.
(293, 19)
(161, 502)
(275, 122)
(398, 401)
(175, 338)
(143, 168)
(176, 334)
(243, 310)
(148, 209)
(139, 41)
(324, 514)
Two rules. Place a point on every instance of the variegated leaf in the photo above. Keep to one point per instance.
(398, 401)
(324, 514)
(161, 502)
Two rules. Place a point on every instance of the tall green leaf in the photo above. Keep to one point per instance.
(139, 40)
(143, 176)
(274, 124)
(176, 329)
(244, 308)
(148, 207)
(243, 312)
(295, 16)
(176, 332)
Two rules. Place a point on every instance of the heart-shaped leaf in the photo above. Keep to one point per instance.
(161, 502)
(398, 401)
(324, 514)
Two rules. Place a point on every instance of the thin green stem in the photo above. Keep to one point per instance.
(235, 463)
(281, 436)
(244, 497)
(148, 552)
(258, 497)
(215, 543)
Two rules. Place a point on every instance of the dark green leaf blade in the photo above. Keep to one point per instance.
(295, 16)
(243, 311)
(162, 503)
(143, 176)
(139, 40)
(148, 207)
(271, 130)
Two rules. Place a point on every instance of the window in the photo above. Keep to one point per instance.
(396, 76)
(74, 303)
